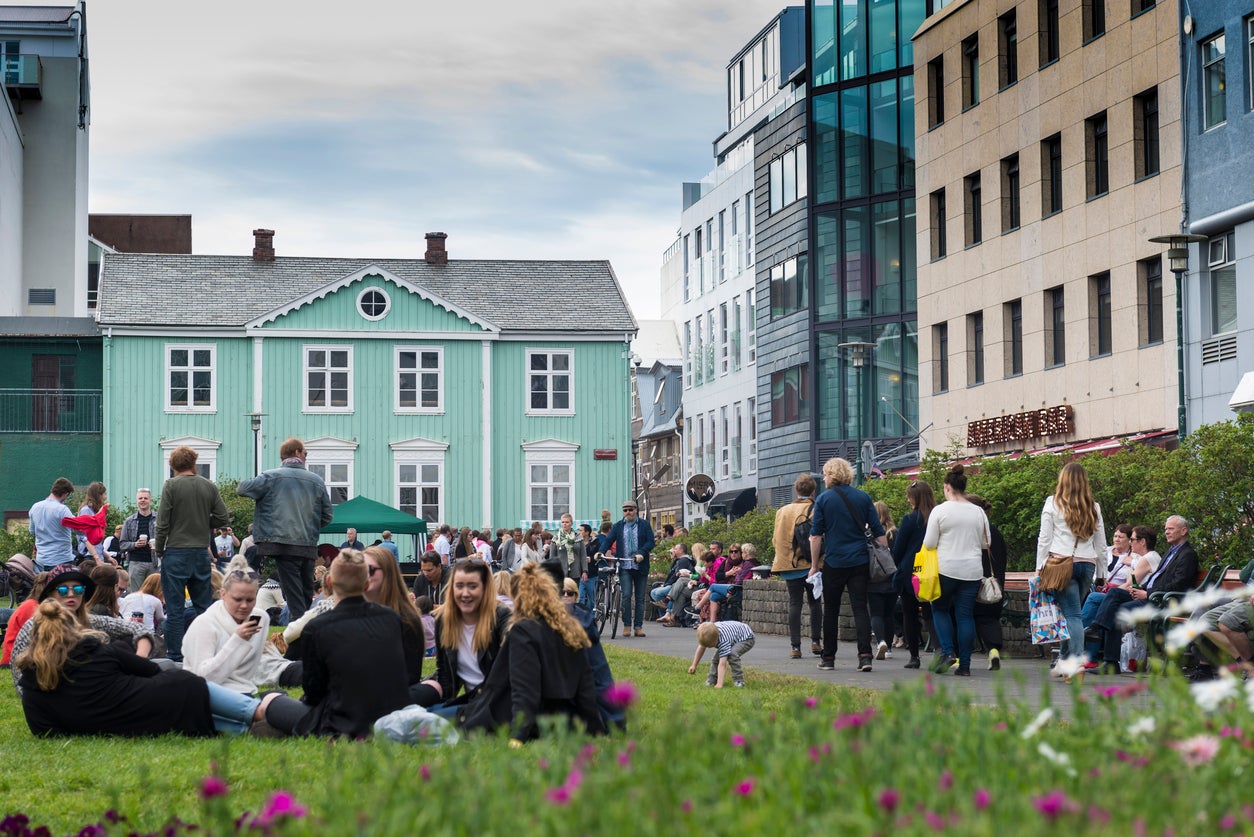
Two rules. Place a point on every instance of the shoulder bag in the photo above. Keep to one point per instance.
(1056, 574)
(881, 561)
(990, 589)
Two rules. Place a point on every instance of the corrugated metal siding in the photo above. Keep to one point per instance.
(338, 311)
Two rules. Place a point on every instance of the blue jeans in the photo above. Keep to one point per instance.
(183, 568)
(956, 604)
(1069, 599)
(718, 592)
(588, 592)
(659, 593)
(635, 585)
(232, 711)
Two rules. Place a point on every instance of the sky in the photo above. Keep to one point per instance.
(559, 129)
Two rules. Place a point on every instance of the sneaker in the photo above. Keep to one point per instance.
(864, 663)
(942, 663)
(914, 662)
(888, 655)
(881, 650)
(994, 660)
(898, 642)
(816, 649)
(962, 672)
(827, 664)
(795, 655)
(953, 665)
(740, 684)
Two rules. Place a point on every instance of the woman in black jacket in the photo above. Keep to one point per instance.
(908, 542)
(543, 669)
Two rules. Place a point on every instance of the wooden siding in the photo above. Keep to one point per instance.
(338, 311)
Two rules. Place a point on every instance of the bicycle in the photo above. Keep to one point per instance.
(609, 597)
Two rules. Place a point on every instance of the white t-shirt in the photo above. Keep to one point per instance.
(959, 532)
(467, 660)
(443, 548)
(142, 608)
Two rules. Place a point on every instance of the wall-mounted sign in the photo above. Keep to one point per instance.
(699, 488)
(605, 453)
(1033, 424)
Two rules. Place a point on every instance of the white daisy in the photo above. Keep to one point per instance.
(1134, 616)
(1249, 695)
(1039, 721)
(1209, 694)
(1061, 759)
(1181, 636)
(1199, 600)
(1069, 666)
(1142, 726)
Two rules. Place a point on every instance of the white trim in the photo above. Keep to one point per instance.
(206, 448)
(326, 451)
(486, 411)
(550, 446)
(417, 445)
(190, 348)
(305, 349)
(547, 453)
(370, 270)
(419, 452)
(417, 371)
(387, 303)
(105, 248)
(527, 373)
(530, 335)
(390, 334)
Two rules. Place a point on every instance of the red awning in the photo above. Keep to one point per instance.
(1108, 445)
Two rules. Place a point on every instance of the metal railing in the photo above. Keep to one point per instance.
(51, 410)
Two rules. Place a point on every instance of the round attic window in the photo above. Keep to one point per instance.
(373, 303)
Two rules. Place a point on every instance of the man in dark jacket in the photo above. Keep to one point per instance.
(433, 579)
(632, 541)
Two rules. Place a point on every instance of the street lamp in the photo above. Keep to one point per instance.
(254, 420)
(1178, 261)
(858, 352)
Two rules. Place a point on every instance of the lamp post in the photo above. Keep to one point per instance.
(1178, 261)
(857, 357)
(254, 419)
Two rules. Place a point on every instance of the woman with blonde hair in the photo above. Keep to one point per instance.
(1071, 526)
(543, 669)
(386, 586)
(504, 588)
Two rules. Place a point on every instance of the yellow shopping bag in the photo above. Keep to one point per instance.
(926, 575)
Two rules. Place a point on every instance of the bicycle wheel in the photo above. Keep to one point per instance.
(614, 607)
(601, 606)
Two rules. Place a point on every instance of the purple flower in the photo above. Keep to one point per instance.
(737, 740)
(982, 799)
(1228, 822)
(687, 806)
(854, 719)
(814, 754)
(746, 787)
(92, 830)
(280, 804)
(1054, 804)
(211, 787)
(559, 795)
(889, 799)
(946, 780)
(622, 694)
(935, 820)
(425, 773)
(811, 702)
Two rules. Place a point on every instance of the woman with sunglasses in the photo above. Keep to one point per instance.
(468, 637)
(71, 589)
(227, 643)
(386, 586)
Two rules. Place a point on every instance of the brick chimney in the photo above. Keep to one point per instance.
(263, 245)
(436, 254)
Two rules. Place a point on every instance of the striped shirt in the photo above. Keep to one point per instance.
(731, 633)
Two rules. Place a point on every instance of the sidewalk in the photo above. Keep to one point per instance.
(1019, 678)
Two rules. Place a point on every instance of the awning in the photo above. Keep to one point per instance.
(1108, 445)
(732, 504)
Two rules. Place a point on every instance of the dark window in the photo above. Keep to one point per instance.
(1051, 175)
(975, 341)
(790, 396)
(1007, 50)
(1099, 299)
(1214, 82)
(1094, 19)
(1047, 22)
(93, 284)
(1013, 314)
(1010, 214)
(971, 71)
(935, 91)
(1150, 301)
(938, 224)
(1145, 133)
(940, 355)
(1055, 328)
(1097, 156)
(972, 210)
(788, 286)
(1139, 6)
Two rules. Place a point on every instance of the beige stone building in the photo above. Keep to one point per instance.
(1048, 148)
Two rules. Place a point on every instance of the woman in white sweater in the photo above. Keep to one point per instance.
(227, 643)
(1071, 524)
(958, 530)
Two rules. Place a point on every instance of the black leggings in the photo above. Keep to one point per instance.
(798, 590)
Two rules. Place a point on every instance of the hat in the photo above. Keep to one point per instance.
(66, 574)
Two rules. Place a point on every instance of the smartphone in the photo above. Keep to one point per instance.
(255, 618)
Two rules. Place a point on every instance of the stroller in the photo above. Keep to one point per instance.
(17, 578)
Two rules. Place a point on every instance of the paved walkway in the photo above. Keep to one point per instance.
(1019, 678)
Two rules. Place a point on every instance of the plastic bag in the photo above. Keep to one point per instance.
(927, 570)
(1046, 620)
(415, 725)
(816, 585)
(1132, 652)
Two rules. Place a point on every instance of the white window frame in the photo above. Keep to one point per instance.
(387, 304)
(325, 452)
(736, 316)
(688, 355)
(724, 443)
(737, 442)
(190, 348)
(419, 452)
(548, 453)
(305, 370)
(723, 362)
(418, 371)
(528, 373)
(751, 407)
(206, 460)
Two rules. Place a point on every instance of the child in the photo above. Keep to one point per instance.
(730, 641)
(425, 606)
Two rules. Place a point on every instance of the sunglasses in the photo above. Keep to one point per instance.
(735, 552)
(67, 589)
(374, 570)
(569, 594)
(244, 575)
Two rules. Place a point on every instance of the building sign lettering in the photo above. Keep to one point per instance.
(1034, 424)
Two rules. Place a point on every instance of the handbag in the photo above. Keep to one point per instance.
(879, 557)
(990, 588)
(927, 575)
(1045, 620)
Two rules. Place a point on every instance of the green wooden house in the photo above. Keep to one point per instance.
(462, 391)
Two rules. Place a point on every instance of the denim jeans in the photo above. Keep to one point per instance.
(635, 585)
(183, 568)
(956, 605)
(232, 711)
(798, 595)
(835, 580)
(588, 592)
(718, 592)
(1069, 599)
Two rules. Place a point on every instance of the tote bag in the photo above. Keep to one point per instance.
(927, 575)
(1046, 621)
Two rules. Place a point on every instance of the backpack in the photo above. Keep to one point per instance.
(801, 537)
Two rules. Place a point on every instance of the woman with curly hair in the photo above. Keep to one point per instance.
(1071, 524)
(543, 669)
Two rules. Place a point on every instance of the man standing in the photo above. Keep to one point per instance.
(190, 509)
(292, 507)
(792, 564)
(390, 545)
(139, 532)
(633, 542)
(52, 540)
(352, 542)
(443, 545)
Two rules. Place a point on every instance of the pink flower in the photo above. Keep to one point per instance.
(746, 787)
(1000, 726)
(982, 799)
(814, 754)
(1054, 804)
(935, 820)
(211, 787)
(543, 764)
(1228, 822)
(686, 806)
(889, 799)
(1098, 816)
(559, 795)
(1230, 732)
(737, 740)
(927, 684)
(1198, 750)
(425, 773)
(946, 780)
(280, 804)
(624, 758)
(811, 702)
(622, 694)
(854, 719)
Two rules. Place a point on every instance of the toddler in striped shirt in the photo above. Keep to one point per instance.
(730, 641)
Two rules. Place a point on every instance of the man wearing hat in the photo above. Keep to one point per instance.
(632, 539)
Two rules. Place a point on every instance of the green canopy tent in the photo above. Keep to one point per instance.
(370, 516)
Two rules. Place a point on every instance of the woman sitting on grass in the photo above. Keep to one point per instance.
(104, 601)
(20, 617)
(543, 669)
(468, 637)
(227, 643)
(387, 587)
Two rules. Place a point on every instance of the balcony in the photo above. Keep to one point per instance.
(50, 411)
(23, 76)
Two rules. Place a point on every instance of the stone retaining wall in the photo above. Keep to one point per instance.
(765, 608)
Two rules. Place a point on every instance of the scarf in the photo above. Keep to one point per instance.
(566, 540)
